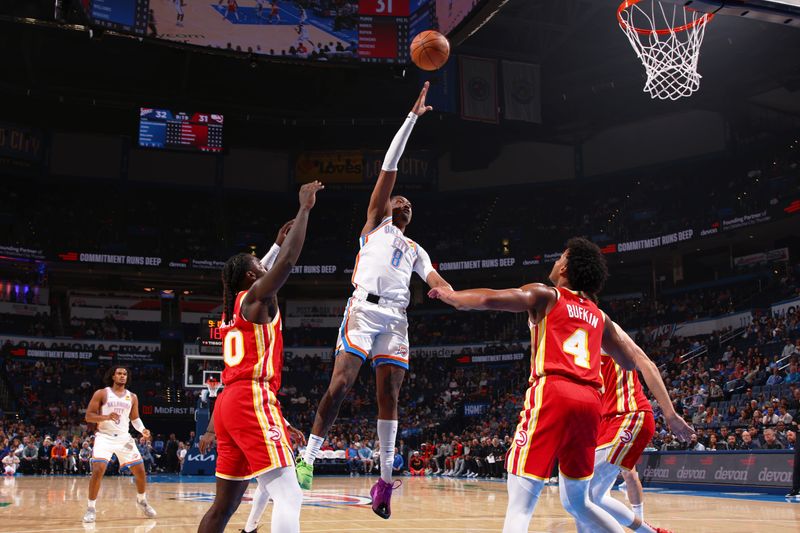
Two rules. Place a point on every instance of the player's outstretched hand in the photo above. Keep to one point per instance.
(283, 232)
(297, 437)
(308, 194)
(440, 293)
(206, 442)
(680, 428)
(420, 108)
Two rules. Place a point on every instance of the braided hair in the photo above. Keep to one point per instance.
(586, 267)
(232, 275)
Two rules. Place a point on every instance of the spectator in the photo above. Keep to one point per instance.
(171, 463)
(44, 456)
(748, 443)
(694, 444)
(30, 458)
(365, 455)
(85, 458)
(397, 463)
(415, 465)
(775, 378)
(58, 458)
(353, 462)
(770, 441)
(10, 464)
(181, 455)
(146, 451)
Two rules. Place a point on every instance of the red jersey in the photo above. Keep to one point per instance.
(566, 342)
(252, 352)
(622, 390)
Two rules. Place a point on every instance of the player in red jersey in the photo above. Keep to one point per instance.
(626, 427)
(561, 415)
(252, 436)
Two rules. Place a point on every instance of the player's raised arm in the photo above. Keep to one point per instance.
(534, 297)
(265, 287)
(619, 345)
(379, 207)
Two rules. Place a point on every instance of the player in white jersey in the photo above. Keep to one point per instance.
(113, 409)
(375, 325)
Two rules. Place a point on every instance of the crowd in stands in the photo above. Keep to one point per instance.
(740, 388)
(522, 222)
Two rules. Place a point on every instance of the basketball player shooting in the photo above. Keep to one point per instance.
(112, 409)
(251, 434)
(561, 416)
(375, 325)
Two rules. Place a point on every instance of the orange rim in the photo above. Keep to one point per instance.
(628, 3)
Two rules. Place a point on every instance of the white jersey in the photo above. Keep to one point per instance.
(385, 263)
(116, 404)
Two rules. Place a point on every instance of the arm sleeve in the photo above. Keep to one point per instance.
(395, 150)
(268, 260)
(422, 265)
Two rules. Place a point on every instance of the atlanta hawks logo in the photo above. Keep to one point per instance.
(275, 434)
(626, 436)
(522, 438)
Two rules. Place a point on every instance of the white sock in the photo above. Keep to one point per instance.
(92, 503)
(314, 444)
(638, 510)
(387, 433)
(260, 500)
(141, 497)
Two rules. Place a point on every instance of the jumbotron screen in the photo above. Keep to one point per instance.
(162, 128)
(375, 31)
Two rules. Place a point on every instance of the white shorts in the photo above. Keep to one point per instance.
(372, 331)
(123, 446)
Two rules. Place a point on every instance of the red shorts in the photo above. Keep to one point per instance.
(628, 436)
(559, 421)
(251, 434)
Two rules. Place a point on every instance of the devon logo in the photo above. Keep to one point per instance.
(315, 498)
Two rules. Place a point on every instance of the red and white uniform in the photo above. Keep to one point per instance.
(561, 415)
(627, 422)
(252, 437)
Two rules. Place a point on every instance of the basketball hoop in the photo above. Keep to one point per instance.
(213, 387)
(668, 43)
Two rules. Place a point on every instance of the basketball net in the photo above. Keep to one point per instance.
(213, 387)
(667, 38)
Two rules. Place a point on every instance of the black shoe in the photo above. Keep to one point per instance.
(245, 531)
(794, 494)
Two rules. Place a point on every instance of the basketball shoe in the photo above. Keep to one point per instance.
(305, 474)
(381, 493)
(146, 509)
(90, 516)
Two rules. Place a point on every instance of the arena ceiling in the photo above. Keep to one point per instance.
(591, 78)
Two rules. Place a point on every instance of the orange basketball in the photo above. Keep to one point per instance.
(430, 50)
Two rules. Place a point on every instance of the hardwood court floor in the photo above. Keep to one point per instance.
(55, 504)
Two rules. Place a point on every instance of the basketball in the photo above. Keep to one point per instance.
(430, 50)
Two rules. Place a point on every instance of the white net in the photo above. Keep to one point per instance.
(667, 38)
(212, 387)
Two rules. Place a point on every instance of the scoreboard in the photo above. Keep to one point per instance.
(161, 128)
(128, 16)
(210, 340)
(383, 30)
